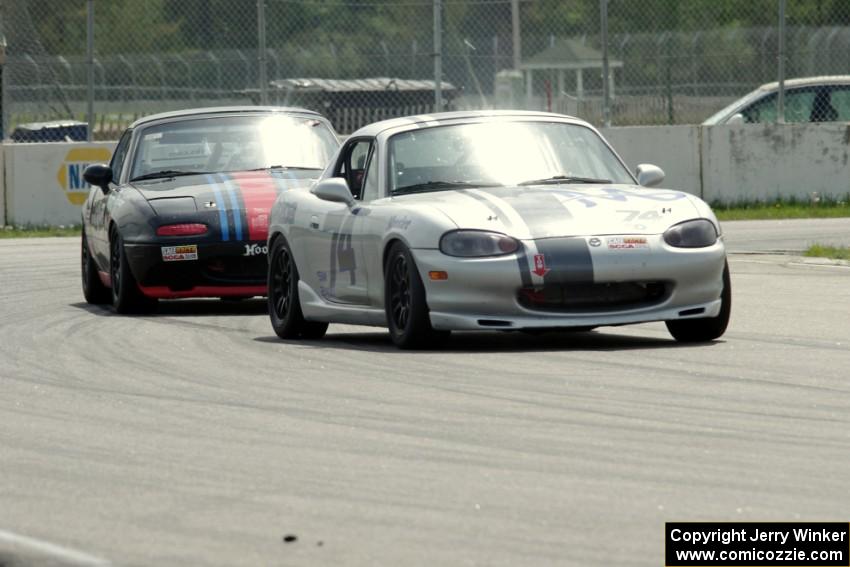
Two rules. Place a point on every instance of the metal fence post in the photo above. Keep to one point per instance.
(261, 27)
(4, 99)
(517, 45)
(606, 78)
(90, 68)
(438, 55)
(780, 99)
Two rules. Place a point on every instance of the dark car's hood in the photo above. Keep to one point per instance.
(235, 205)
(203, 187)
(544, 211)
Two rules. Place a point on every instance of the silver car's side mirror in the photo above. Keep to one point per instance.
(649, 175)
(333, 189)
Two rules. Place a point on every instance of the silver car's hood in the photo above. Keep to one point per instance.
(564, 210)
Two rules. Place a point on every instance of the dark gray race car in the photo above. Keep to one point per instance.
(182, 210)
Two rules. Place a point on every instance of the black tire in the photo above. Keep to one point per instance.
(126, 296)
(405, 304)
(93, 289)
(284, 304)
(707, 328)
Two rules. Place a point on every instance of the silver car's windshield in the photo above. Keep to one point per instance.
(233, 143)
(500, 153)
(721, 116)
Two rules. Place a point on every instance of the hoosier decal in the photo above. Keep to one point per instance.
(179, 253)
(256, 249)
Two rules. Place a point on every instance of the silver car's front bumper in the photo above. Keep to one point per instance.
(483, 293)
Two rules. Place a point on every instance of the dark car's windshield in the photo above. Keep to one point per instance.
(501, 153)
(233, 143)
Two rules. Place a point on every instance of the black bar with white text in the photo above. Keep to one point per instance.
(757, 544)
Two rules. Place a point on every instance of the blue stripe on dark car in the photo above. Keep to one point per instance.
(231, 189)
(222, 209)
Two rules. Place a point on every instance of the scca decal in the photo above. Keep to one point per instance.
(179, 253)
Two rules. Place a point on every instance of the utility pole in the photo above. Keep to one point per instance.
(517, 45)
(780, 99)
(90, 68)
(261, 59)
(4, 110)
(606, 78)
(438, 55)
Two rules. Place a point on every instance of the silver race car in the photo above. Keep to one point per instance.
(496, 221)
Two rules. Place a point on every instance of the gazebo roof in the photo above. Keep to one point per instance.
(568, 54)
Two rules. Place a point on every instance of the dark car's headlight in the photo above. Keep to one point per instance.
(477, 243)
(697, 233)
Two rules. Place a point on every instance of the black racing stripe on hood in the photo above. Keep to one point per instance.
(524, 271)
(567, 259)
(539, 213)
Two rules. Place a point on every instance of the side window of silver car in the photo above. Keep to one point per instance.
(370, 183)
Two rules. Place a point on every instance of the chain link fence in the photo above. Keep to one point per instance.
(356, 61)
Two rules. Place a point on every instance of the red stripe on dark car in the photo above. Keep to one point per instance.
(258, 191)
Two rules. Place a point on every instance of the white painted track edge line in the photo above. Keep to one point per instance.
(42, 547)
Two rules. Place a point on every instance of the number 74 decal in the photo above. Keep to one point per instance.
(637, 215)
(342, 257)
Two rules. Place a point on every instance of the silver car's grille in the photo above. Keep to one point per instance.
(594, 297)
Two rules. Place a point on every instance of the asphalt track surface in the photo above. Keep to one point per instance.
(193, 437)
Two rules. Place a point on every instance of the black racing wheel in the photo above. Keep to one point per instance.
(127, 298)
(93, 289)
(705, 329)
(284, 305)
(405, 304)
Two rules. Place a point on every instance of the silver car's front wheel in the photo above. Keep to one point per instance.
(405, 304)
(706, 328)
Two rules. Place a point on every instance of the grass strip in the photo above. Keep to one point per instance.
(832, 252)
(38, 231)
(815, 208)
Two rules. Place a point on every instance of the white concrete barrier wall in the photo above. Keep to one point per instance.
(748, 162)
(44, 185)
(765, 162)
(675, 149)
(44, 182)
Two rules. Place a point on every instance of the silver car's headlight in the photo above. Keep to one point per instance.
(697, 233)
(477, 243)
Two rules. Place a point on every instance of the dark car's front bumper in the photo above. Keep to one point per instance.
(221, 269)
